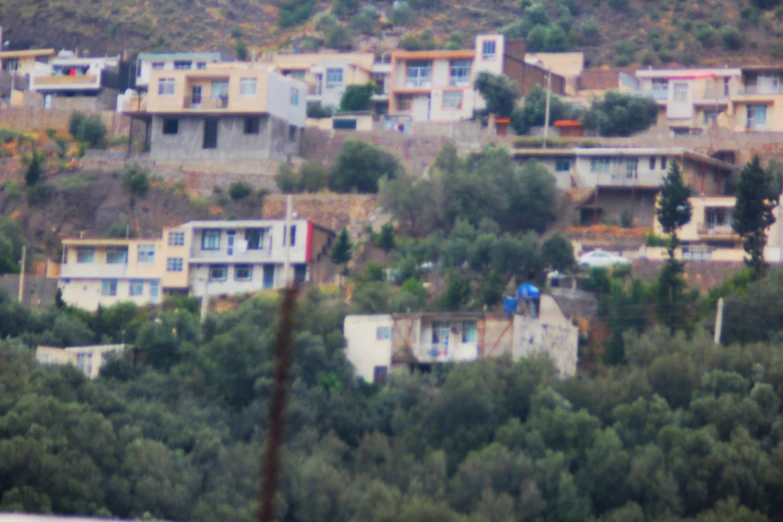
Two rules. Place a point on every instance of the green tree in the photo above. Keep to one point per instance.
(11, 243)
(339, 38)
(499, 92)
(288, 180)
(357, 97)
(74, 122)
(342, 250)
(386, 239)
(240, 50)
(239, 190)
(533, 113)
(401, 14)
(558, 253)
(314, 176)
(674, 208)
(619, 114)
(360, 166)
(90, 130)
(753, 214)
(33, 172)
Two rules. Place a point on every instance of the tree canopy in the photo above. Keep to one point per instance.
(360, 165)
(618, 114)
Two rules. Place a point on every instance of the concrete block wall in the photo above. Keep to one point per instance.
(38, 119)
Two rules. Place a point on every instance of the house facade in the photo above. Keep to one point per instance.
(756, 106)
(239, 111)
(234, 257)
(88, 359)
(618, 180)
(198, 257)
(690, 99)
(148, 62)
(378, 344)
(71, 82)
(22, 63)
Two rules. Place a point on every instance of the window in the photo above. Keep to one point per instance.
(255, 238)
(757, 116)
(117, 255)
(562, 165)
(170, 126)
(379, 375)
(218, 272)
(419, 74)
(404, 102)
(488, 50)
(469, 331)
(248, 86)
(176, 239)
(680, 92)
(300, 274)
(631, 167)
(11, 64)
(85, 255)
(726, 86)
(146, 254)
(600, 164)
(663, 162)
(652, 162)
(660, 84)
(109, 287)
(382, 333)
(136, 288)
(460, 73)
(243, 273)
(183, 64)
(295, 97)
(252, 125)
(292, 133)
(711, 115)
(219, 90)
(210, 240)
(84, 363)
(452, 99)
(334, 78)
(174, 264)
(158, 65)
(201, 65)
(166, 86)
(154, 288)
(297, 75)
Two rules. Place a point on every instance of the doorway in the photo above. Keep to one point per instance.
(210, 133)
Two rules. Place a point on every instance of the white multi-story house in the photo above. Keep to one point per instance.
(232, 257)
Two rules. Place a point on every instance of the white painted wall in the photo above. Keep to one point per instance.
(279, 99)
(86, 293)
(200, 273)
(363, 349)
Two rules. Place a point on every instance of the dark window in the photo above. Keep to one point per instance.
(255, 238)
(344, 124)
(379, 375)
(652, 162)
(663, 162)
(210, 133)
(291, 133)
(300, 274)
(293, 235)
(243, 273)
(170, 126)
(269, 276)
(252, 125)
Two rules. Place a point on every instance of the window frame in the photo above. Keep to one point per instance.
(294, 96)
(467, 327)
(448, 105)
(460, 66)
(249, 269)
(208, 235)
(85, 250)
(485, 55)
(415, 76)
(175, 264)
(680, 92)
(170, 126)
(248, 87)
(600, 164)
(252, 125)
(157, 66)
(154, 289)
(408, 99)
(183, 65)
(383, 333)
(219, 279)
(109, 287)
(559, 162)
(145, 254)
(259, 241)
(176, 238)
(334, 83)
(114, 251)
(134, 285)
(166, 86)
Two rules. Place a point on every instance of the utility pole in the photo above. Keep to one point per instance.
(21, 274)
(546, 109)
(718, 321)
(205, 298)
(287, 240)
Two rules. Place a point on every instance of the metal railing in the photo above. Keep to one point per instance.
(94, 270)
(714, 230)
(762, 89)
(197, 102)
(92, 80)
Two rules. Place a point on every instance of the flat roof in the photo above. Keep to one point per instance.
(174, 56)
(685, 73)
(626, 151)
(106, 242)
(29, 52)
(432, 55)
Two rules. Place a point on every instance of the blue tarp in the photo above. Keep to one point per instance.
(510, 305)
(528, 291)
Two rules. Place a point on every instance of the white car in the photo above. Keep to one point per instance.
(600, 258)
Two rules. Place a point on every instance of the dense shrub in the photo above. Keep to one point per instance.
(360, 165)
(239, 190)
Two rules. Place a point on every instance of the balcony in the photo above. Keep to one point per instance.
(623, 178)
(413, 82)
(656, 94)
(61, 82)
(93, 271)
(761, 89)
(314, 90)
(717, 230)
(200, 103)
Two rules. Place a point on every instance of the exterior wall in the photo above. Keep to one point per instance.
(564, 177)
(172, 280)
(363, 348)
(28, 61)
(737, 115)
(81, 283)
(555, 339)
(145, 60)
(567, 65)
(199, 274)
(280, 99)
(88, 359)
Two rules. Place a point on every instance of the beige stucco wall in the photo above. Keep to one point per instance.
(175, 279)
(737, 114)
(95, 356)
(563, 64)
(363, 349)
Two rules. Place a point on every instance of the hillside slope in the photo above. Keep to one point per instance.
(611, 32)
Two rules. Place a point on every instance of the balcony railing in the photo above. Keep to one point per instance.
(192, 102)
(716, 230)
(414, 82)
(762, 89)
(314, 90)
(94, 270)
(656, 94)
(623, 178)
(60, 81)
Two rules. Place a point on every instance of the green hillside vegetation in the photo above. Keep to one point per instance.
(611, 32)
